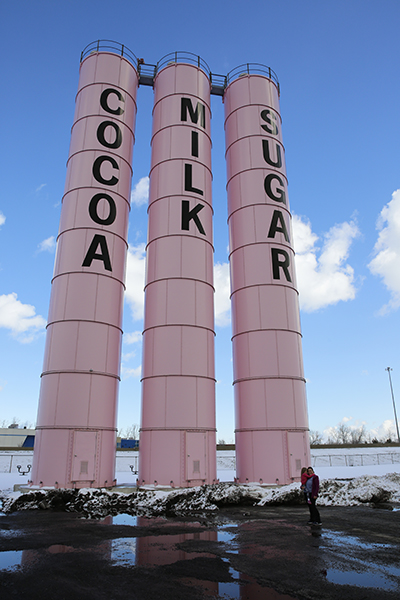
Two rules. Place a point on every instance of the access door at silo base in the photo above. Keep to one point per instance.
(84, 456)
(196, 452)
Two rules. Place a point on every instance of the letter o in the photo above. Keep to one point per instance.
(96, 170)
(104, 101)
(93, 209)
(267, 186)
(118, 134)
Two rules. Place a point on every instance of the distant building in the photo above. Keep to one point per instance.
(12, 437)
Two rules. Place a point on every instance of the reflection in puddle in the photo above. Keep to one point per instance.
(366, 579)
(365, 572)
(9, 533)
(348, 540)
(230, 589)
(123, 551)
(348, 560)
(227, 537)
(124, 519)
(10, 560)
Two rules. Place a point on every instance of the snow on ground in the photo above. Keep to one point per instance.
(94, 503)
(349, 483)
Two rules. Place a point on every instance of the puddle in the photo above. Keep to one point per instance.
(10, 560)
(346, 540)
(124, 519)
(230, 589)
(367, 579)
(156, 550)
(123, 551)
(228, 538)
(9, 533)
(351, 551)
(349, 560)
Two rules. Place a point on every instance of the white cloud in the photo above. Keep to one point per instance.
(132, 338)
(41, 186)
(323, 276)
(140, 193)
(135, 276)
(126, 373)
(386, 262)
(222, 301)
(135, 280)
(385, 430)
(20, 319)
(48, 245)
(126, 356)
(2, 219)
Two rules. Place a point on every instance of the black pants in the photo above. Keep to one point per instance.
(314, 514)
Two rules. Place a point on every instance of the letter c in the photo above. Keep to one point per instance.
(96, 170)
(104, 101)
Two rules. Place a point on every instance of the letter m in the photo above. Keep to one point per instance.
(187, 107)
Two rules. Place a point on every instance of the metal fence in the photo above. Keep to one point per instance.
(355, 460)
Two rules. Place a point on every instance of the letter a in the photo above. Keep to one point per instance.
(274, 227)
(98, 240)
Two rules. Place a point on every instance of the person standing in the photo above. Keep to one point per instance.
(312, 489)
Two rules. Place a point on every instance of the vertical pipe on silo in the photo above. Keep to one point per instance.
(76, 427)
(269, 386)
(177, 439)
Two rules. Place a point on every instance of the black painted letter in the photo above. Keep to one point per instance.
(188, 181)
(98, 240)
(118, 134)
(96, 170)
(269, 117)
(93, 209)
(267, 157)
(187, 107)
(188, 215)
(280, 264)
(274, 227)
(279, 195)
(104, 101)
(195, 143)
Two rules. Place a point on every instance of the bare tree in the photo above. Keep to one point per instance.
(358, 435)
(316, 437)
(130, 433)
(339, 434)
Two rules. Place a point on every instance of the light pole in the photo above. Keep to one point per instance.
(388, 369)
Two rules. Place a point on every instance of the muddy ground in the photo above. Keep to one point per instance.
(252, 553)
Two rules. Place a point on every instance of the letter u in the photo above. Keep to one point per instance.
(267, 157)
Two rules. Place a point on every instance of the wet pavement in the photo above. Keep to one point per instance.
(249, 553)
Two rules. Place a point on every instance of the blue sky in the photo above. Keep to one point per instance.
(340, 87)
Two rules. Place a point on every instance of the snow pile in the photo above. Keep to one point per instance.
(366, 490)
(95, 503)
(206, 499)
(362, 490)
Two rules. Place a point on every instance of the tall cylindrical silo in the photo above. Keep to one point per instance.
(76, 427)
(177, 440)
(269, 386)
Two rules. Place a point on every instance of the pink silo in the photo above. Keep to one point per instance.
(269, 386)
(177, 440)
(76, 427)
